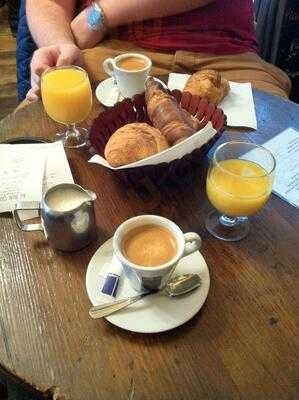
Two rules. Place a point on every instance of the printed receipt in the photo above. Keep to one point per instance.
(27, 171)
(285, 148)
(21, 177)
(57, 169)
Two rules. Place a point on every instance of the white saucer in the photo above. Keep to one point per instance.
(154, 313)
(107, 92)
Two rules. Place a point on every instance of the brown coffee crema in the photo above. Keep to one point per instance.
(131, 63)
(149, 245)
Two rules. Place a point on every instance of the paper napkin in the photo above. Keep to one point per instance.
(238, 105)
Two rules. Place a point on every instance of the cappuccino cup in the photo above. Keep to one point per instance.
(130, 71)
(149, 248)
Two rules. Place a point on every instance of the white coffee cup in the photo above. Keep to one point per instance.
(153, 278)
(129, 82)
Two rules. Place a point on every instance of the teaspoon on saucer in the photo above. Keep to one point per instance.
(178, 285)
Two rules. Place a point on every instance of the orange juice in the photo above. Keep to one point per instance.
(66, 95)
(238, 187)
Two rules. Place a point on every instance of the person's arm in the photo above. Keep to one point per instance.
(127, 11)
(49, 21)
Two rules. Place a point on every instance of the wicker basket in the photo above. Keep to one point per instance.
(134, 110)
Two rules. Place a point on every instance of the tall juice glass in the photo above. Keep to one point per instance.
(239, 183)
(67, 98)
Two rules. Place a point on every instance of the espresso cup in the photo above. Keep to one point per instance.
(129, 82)
(153, 278)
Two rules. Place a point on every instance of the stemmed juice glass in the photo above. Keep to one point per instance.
(67, 98)
(239, 183)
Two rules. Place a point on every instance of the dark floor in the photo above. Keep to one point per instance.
(8, 80)
(3, 388)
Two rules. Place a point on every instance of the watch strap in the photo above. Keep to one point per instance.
(96, 17)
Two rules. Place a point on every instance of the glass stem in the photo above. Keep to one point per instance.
(71, 130)
(228, 221)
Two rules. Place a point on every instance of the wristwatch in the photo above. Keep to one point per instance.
(96, 18)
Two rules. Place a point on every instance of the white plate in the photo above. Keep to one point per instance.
(154, 313)
(107, 92)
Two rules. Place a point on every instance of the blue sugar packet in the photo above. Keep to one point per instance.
(109, 283)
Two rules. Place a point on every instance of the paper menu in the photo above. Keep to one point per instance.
(285, 148)
(238, 105)
(21, 177)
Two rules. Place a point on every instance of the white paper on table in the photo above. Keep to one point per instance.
(21, 177)
(57, 166)
(173, 153)
(238, 105)
(55, 169)
(285, 148)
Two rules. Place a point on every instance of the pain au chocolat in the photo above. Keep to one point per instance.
(166, 114)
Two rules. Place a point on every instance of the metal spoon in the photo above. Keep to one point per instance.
(178, 285)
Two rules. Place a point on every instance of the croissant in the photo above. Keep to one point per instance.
(134, 142)
(209, 84)
(175, 123)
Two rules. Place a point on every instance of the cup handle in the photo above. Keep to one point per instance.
(27, 205)
(192, 243)
(108, 66)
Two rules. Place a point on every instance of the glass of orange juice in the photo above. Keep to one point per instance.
(67, 98)
(239, 183)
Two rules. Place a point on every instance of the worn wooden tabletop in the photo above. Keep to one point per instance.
(243, 344)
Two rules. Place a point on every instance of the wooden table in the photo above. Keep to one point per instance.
(243, 344)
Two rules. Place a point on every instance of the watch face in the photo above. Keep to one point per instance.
(94, 18)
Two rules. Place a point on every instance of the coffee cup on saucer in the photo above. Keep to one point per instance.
(149, 248)
(130, 71)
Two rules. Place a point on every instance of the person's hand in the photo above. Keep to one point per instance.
(51, 56)
(84, 37)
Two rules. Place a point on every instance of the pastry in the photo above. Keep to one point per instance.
(175, 123)
(134, 142)
(208, 84)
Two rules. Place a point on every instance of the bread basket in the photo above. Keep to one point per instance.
(134, 110)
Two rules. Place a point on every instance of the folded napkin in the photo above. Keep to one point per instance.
(238, 105)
